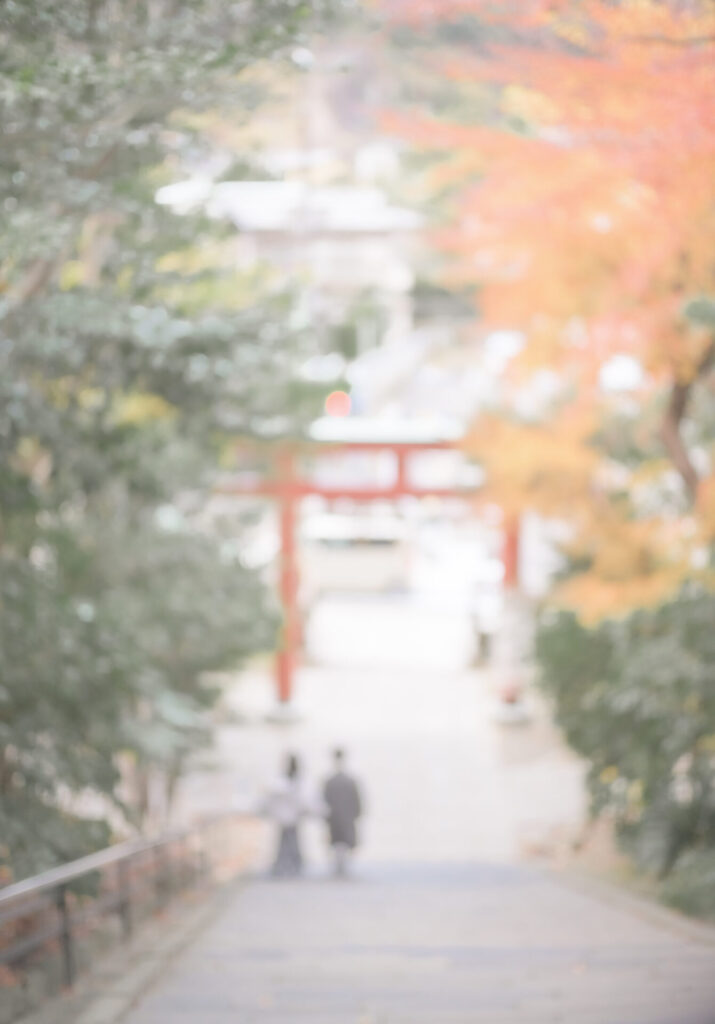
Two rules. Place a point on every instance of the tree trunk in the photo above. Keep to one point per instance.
(675, 413)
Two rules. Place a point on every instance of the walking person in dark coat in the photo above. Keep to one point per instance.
(344, 806)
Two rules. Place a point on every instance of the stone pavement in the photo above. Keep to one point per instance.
(417, 944)
(390, 680)
(420, 937)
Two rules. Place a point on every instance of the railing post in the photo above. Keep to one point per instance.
(159, 878)
(66, 943)
(187, 867)
(231, 826)
(169, 867)
(206, 851)
(125, 899)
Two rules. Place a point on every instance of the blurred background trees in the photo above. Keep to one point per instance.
(570, 151)
(131, 351)
(564, 153)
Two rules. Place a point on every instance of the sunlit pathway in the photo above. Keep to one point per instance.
(432, 945)
(390, 679)
(441, 924)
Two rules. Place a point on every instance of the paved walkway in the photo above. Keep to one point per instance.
(390, 679)
(491, 943)
(433, 945)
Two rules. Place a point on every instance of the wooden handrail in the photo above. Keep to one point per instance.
(66, 873)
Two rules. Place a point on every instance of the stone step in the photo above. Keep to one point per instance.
(475, 944)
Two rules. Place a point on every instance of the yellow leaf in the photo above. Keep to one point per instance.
(71, 275)
(142, 408)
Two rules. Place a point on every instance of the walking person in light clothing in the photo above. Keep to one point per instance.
(287, 803)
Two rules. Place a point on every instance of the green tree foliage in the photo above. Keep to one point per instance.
(635, 697)
(121, 380)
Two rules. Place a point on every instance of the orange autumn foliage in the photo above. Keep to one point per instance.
(584, 207)
(548, 466)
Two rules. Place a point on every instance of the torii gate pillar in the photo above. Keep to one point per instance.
(289, 640)
(511, 551)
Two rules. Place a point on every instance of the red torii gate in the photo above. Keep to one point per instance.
(283, 484)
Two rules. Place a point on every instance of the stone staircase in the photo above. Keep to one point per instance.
(421, 944)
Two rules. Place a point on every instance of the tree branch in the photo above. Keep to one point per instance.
(671, 41)
(34, 280)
